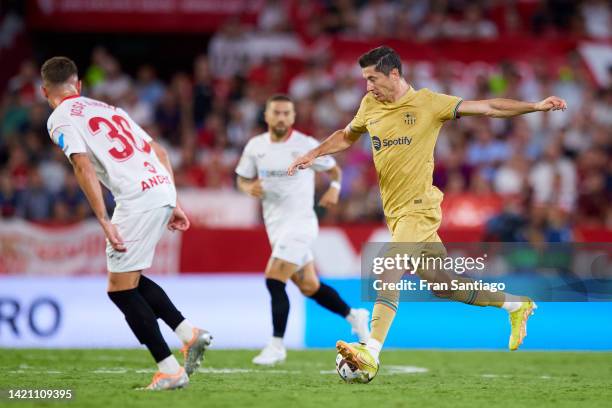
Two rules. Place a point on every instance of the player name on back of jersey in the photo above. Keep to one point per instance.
(77, 107)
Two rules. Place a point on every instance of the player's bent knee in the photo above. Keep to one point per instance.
(442, 294)
(309, 288)
(122, 281)
(280, 270)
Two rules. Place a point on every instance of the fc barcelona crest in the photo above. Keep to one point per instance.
(410, 118)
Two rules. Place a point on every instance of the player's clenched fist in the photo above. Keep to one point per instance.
(551, 103)
(178, 220)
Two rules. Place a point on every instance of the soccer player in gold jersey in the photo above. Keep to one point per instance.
(403, 124)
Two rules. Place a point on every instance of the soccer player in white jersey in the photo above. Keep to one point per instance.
(291, 223)
(104, 144)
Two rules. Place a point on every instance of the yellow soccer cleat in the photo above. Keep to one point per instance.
(359, 356)
(518, 323)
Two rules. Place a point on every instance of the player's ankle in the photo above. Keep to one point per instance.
(277, 342)
(169, 366)
(374, 347)
(185, 331)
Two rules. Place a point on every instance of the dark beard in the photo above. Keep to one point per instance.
(279, 133)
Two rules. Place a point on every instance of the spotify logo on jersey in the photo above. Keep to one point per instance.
(376, 142)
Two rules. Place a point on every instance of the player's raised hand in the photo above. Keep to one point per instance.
(178, 220)
(112, 235)
(330, 198)
(551, 103)
(302, 162)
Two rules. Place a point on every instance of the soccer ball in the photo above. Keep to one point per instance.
(349, 372)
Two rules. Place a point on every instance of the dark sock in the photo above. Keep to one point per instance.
(327, 297)
(142, 321)
(160, 302)
(280, 306)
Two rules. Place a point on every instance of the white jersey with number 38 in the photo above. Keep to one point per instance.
(119, 150)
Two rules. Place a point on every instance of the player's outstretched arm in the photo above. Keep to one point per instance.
(86, 176)
(507, 108)
(332, 195)
(252, 187)
(336, 142)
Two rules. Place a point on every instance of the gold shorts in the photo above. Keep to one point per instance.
(416, 234)
(416, 226)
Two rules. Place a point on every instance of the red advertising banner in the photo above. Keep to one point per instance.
(31, 249)
(139, 15)
(337, 250)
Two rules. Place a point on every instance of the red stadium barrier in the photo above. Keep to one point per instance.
(207, 250)
(29, 249)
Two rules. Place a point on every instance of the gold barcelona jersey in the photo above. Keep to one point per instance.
(403, 136)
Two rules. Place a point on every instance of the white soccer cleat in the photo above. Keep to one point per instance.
(271, 354)
(359, 320)
(169, 381)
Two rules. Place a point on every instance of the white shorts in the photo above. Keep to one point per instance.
(140, 232)
(294, 247)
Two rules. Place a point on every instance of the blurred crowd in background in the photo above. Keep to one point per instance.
(553, 170)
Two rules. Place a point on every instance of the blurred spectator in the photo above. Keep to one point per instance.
(511, 177)
(70, 203)
(26, 84)
(96, 72)
(598, 17)
(472, 26)
(115, 84)
(35, 203)
(274, 16)
(203, 93)
(54, 171)
(140, 111)
(341, 16)
(168, 118)
(9, 200)
(553, 179)
(313, 80)
(377, 18)
(485, 152)
(228, 51)
(150, 89)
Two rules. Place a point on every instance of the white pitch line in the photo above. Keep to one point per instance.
(399, 369)
(110, 371)
(391, 369)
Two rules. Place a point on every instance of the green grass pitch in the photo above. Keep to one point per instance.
(408, 378)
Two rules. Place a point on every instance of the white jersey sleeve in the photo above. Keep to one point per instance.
(322, 163)
(67, 137)
(247, 166)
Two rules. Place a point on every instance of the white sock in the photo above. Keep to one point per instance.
(169, 365)
(512, 303)
(351, 316)
(184, 331)
(277, 342)
(374, 347)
